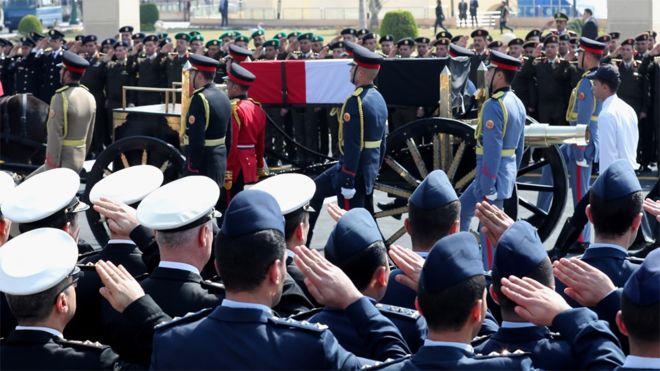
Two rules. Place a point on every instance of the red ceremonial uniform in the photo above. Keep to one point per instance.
(248, 129)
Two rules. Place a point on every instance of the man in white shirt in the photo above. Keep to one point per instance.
(617, 121)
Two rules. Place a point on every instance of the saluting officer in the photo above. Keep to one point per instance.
(245, 162)
(71, 118)
(362, 131)
(175, 61)
(26, 68)
(50, 72)
(149, 72)
(634, 88)
(481, 53)
(94, 80)
(551, 79)
(583, 109)
(207, 123)
(126, 35)
(117, 75)
(500, 141)
(386, 44)
(6, 65)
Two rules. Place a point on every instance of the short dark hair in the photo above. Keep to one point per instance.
(292, 220)
(429, 225)
(587, 10)
(508, 75)
(35, 307)
(208, 75)
(57, 221)
(74, 75)
(542, 273)
(612, 85)
(449, 310)
(360, 268)
(612, 218)
(642, 322)
(244, 261)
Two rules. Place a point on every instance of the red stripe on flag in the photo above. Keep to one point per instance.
(267, 88)
(295, 82)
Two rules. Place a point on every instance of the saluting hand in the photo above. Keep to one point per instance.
(120, 289)
(653, 208)
(410, 263)
(121, 218)
(585, 284)
(494, 221)
(535, 302)
(335, 211)
(328, 284)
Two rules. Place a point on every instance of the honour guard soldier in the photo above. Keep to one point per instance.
(241, 41)
(422, 46)
(6, 65)
(107, 44)
(349, 34)
(207, 123)
(71, 118)
(561, 21)
(369, 41)
(26, 68)
(245, 162)
(634, 88)
(583, 109)
(481, 54)
(148, 71)
(405, 47)
(271, 48)
(176, 60)
(386, 44)
(356, 246)
(94, 80)
(441, 48)
(196, 43)
(213, 49)
(500, 140)
(362, 132)
(50, 72)
(243, 332)
(258, 38)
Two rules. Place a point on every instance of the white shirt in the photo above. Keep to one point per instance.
(618, 133)
(508, 324)
(642, 362)
(49, 330)
(432, 343)
(241, 304)
(178, 265)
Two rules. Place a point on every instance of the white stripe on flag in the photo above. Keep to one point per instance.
(328, 81)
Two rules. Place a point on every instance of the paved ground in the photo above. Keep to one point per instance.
(390, 225)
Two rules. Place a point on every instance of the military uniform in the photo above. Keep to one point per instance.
(551, 87)
(241, 335)
(207, 127)
(94, 79)
(148, 72)
(246, 156)
(116, 76)
(26, 73)
(583, 109)
(50, 74)
(648, 131)
(500, 140)
(478, 58)
(362, 133)
(70, 122)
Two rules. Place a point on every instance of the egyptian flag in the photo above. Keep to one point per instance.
(324, 81)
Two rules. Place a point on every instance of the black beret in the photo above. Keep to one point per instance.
(386, 38)
(480, 32)
(90, 39)
(349, 31)
(422, 40)
(108, 41)
(55, 34)
(153, 38)
(406, 41)
(443, 35)
(126, 29)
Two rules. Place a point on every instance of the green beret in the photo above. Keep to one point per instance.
(317, 38)
(259, 32)
(213, 42)
(182, 36)
(197, 38)
(275, 43)
(194, 33)
(293, 34)
(280, 35)
(306, 36)
(229, 34)
(242, 38)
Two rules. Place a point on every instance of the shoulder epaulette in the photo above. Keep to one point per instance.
(254, 101)
(497, 95)
(303, 325)
(554, 335)
(357, 92)
(379, 365)
(398, 311)
(480, 339)
(306, 315)
(88, 254)
(198, 90)
(214, 287)
(63, 88)
(188, 318)
(82, 344)
(635, 259)
(516, 353)
(86, 266)
(141, 277)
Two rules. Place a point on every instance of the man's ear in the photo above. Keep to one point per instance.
(455, 227)
(587, 212)
(61, 303)
(620, 324)
(406, 225)
(300, 229)
(275, 272)
(381, 276)
(493, 294)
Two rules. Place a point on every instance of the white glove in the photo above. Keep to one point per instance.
(492, 196)
(582, 163)
(348, 193)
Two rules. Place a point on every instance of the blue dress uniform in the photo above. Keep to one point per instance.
(520, 251)
(207, 127)
(247, 335)
(642, 290)
(583, 109)
(362, 132)
(455, 259)
(26, 70)
(618, 180)
(355, 245)
(50, 71)
(500, 141)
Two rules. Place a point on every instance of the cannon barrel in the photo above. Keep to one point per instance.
(544, 135)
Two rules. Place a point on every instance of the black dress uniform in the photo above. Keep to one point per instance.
(94, 79)
(477, 59)
(26, 71)
(148, 72)
(208, 130)
(551, 88)
(175, 61)
(50, 71)
(117, 75)
(522, 84)
(634, 87)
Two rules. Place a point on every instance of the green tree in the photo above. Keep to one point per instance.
(149, 15)
(399, 23)
(29, 24)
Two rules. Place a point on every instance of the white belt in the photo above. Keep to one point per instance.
(245, 146)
